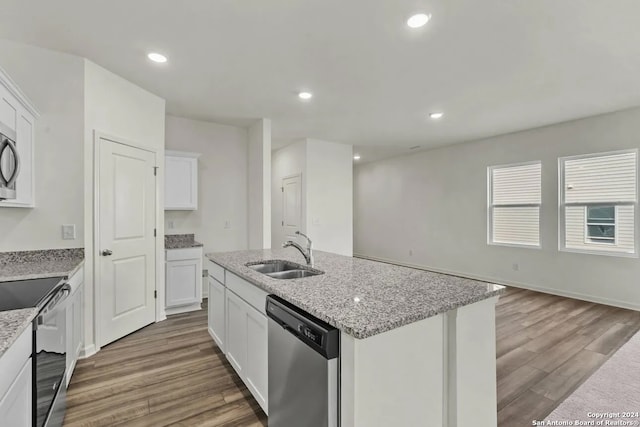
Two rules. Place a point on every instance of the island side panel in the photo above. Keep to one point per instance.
(394, 378)
(472, 379)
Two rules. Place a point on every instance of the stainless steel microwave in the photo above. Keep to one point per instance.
(9, 163)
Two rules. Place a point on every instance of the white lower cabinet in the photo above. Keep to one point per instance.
(15, 405)
(217, 302)
(16, 382)
(183, 280)
(75, 322)
(239, 326)
(256, 369)
(236, 333)
(247, 346)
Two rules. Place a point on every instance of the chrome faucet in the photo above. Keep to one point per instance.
(307, 254)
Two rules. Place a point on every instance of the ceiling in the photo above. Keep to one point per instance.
(492, 66)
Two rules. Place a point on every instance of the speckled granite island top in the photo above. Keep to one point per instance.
(180, 241)
(361, 297)
(26, 265)
(12, 323)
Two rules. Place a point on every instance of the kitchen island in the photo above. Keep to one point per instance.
(417, 347)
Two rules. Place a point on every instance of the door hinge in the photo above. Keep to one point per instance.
(155, 294)
(155, 232)
(283, 223)
(282, 189)
(155, 171)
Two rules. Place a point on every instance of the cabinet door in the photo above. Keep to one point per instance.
(182, 283)
(256, 369)
(181, 183)
(217, 312)
(15, 405)
(236, 332)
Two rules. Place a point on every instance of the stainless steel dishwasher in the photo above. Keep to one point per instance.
(304, 368)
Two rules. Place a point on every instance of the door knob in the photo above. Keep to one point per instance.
(106, 252)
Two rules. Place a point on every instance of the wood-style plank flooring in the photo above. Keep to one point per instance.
(171, 373)
(168, 374)
(547, 346)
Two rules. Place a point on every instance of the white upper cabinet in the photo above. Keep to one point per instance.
(181, 181)
(19, 115)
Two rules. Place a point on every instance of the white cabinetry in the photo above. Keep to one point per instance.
(75, 321)
(238, 323)
(183, 280)
(181, 181)
(217, 302)
(17, 113)
(16, 383)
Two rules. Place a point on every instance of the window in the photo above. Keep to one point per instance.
(598, 198)
(514, 204)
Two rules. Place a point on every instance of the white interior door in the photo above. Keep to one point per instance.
(127, 262)
(291, 206)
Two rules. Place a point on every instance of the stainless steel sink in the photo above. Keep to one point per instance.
(275, 266)
(279, 269)
(294, 274)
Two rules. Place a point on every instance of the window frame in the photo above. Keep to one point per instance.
(491, 206)
(562, 244)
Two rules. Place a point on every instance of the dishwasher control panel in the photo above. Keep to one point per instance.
(319, 335)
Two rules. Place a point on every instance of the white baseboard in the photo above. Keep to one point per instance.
(498, 281)
(183, 309)
(88, 351)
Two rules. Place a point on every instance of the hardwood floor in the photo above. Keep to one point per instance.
(171, 373)
(547, 346)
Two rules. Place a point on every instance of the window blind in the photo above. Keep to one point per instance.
(515, 197)
(600, 179)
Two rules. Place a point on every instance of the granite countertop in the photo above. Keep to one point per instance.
(12, 323)
(361, 297)
(26, 265)
(180, 241)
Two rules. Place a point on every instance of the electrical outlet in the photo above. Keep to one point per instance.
(515, 266)
(172, 225)
(227, 224)
(410, 252)
(68, 231)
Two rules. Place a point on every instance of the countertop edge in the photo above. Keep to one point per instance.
(360, 333)
(18, 330)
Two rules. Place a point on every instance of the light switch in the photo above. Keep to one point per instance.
(68, 231)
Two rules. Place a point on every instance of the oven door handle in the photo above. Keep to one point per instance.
(12, 179)
(64, 291)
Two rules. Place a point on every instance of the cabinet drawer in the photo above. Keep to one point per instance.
(248, 292)
(215, 271)
(182, 254)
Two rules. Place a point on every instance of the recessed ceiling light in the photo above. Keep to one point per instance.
(305, 95)
(356, 157)
(436, 115)
(418, 20)
(157, 57)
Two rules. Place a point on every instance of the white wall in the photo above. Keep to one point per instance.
(53, 81)
(433, 205)
(330, 196)
(222, 183)
(118, 108)
(285, 162)
(327, 193)
(260, 185)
